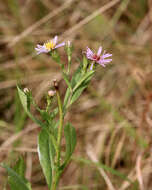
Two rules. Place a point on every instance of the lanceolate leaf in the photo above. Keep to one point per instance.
(77, 93)
(75, 78)
(85, 63)
(65, 76)
(81, 85)
(15, 181)
(70, 137)
(83, 79)
(78, 83)
(46, 152)
(25, 100)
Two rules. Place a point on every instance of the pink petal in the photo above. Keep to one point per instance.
(39, 46)
(99, 51)
(104, 61)
(60, 45)
(55, 39)
(89, 53)
(91, 66)
(41, 49)
(106, 55)
(101, 63)
(107, 60)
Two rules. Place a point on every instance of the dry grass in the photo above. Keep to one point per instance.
(113, 117)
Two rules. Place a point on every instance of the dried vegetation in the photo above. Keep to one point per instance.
(113, 118)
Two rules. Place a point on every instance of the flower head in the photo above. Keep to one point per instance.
(98, 58)
(49, 46)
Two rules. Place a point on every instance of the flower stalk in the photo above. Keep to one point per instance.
(60, 128)
(56, 173)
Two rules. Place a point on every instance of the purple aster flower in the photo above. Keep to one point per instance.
(49, 46)
(98, 58)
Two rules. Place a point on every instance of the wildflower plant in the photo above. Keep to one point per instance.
(53, 159)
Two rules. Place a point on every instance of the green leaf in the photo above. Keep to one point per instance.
(78, 83)
(77, 93)
(54, 113)
(65, 76)
(19, 115)
(81, 85)
(85, 63)
(46, 152)
(76, 76)
(25, 100)
(15, 181)
(66, 99)
(53, 127)
(19, 167)
(85, 78)
(70, 137)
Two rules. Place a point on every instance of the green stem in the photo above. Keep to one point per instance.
(69, 64)
(54, 184)
(48, 103)
(60, 128)
(56, 174)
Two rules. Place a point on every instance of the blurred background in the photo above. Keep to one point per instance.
(113, 117)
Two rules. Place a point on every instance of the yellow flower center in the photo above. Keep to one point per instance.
(49, 45)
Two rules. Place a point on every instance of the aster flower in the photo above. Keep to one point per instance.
(98, 58)
(49, 46)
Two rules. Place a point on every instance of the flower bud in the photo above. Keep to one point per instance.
(69, 48)
(55, 84)
(26, 90)
(51, 93)
(68, 43)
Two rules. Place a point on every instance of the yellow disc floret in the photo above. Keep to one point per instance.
(49, 45)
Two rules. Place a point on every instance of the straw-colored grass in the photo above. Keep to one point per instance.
(113, 117)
